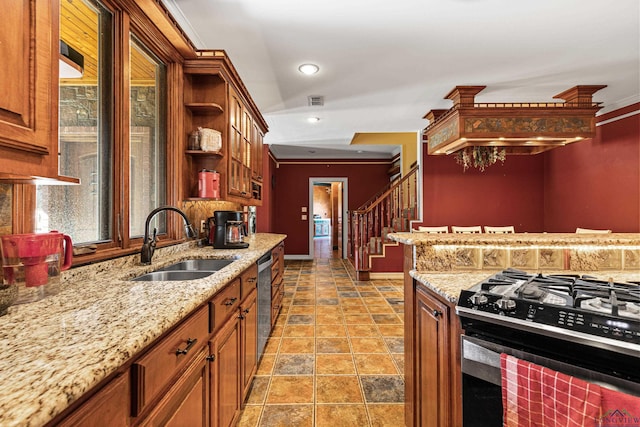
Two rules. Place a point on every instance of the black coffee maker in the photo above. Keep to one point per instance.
(227, 230)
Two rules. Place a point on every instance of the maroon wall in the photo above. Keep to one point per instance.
(509, 193)
(292, 193)
(596, 183)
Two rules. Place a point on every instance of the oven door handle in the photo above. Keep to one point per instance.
(480, 362)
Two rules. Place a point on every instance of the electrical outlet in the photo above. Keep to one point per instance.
(202, 226)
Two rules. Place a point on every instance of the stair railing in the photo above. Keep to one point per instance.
(391, 211)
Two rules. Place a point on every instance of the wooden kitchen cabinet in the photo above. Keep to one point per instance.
(187, 402)
(432, 356)
(29, 44)
(108, 407)
(277, 287)
(197, 374)
(225, 374)
(248, 341)
(153, 373)
(216, 98)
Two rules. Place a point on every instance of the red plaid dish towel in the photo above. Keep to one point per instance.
(535, 396)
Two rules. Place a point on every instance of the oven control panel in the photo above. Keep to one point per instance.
(505, 309)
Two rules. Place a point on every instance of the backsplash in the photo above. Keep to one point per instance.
(197, 210)
(6, 217)
(433, 258)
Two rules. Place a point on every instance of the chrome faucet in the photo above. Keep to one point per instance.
(149, 246)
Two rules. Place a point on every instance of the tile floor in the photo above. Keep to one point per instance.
(335, 357)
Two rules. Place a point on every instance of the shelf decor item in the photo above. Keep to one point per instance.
(479, 157)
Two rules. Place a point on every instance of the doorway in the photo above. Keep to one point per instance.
(328, 217)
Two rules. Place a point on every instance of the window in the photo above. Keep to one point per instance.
(85, 131)
(147, 146)
(111, 135)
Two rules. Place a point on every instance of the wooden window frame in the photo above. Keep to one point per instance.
(128, 18)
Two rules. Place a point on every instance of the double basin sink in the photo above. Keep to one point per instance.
(190, 269)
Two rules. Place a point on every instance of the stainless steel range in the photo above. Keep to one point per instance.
(583, 326)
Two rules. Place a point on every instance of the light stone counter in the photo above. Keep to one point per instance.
(54, 350)
(448, 285)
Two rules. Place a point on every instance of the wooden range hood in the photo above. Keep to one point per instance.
(520, 128)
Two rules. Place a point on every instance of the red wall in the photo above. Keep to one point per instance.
(596, 183)
(292, 193)
(509, 193)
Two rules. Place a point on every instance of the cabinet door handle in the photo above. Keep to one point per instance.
(436, 313)
(252, 279)
(245, 311)
(190, 343)
(231, 301)
(211, 358)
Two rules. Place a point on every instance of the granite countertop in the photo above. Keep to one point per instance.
(56, 349)
(550, 239)
(449, 284)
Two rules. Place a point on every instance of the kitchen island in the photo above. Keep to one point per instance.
(57, 349)
(439, 266)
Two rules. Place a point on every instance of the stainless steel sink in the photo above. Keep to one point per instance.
(198, 265)
(155, 276)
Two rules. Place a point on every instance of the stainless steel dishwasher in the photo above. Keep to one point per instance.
(264, 301)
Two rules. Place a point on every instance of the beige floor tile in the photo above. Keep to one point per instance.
(337, 364)
(287, 416)
(338, 389)
(302, 309)
(341, 416)
(363, 331)
(383, 415)
(360, 319)
(298, 331)
(332, 345)
(297, 345)
(272, 345)
(375, 364)
(327, 349)
(250, 416)
(328, 309)
(329, 319)
(330, 331)
(351, 301)
(391, 330)
(266, 364)
(290, 389)
(380, 309)
(368, 345)
(355, 309)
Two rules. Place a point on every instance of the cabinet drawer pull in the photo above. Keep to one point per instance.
(252, 279)
(245, 311)
(190, 343)
(231, 301)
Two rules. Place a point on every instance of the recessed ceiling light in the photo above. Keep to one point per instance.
(313, 119)
(308, 69)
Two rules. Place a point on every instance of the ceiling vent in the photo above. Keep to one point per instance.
(316, 100)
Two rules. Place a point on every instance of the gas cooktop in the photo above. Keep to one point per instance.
(583, 308)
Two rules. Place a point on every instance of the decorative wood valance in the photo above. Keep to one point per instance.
(520, 128)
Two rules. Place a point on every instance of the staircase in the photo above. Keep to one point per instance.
(391, 210)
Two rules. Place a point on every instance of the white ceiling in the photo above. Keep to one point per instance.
(384, 64)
